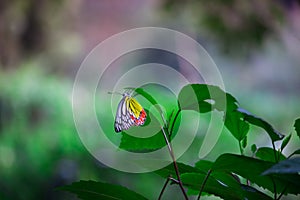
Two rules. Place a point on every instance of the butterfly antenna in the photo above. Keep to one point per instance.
(115, 93)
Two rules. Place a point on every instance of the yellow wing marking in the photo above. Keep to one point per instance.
(134, 106)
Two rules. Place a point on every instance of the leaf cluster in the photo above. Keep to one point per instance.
(231, 176)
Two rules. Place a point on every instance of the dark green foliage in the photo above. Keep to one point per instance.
(291, 166)
(268, 154)
(223, 185)
(230, 176)
(252, 119)
(297, 127)
(252, 169)
(236, 125)
(183, 168)
(96, 190)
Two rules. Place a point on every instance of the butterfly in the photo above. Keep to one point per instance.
(129, 113)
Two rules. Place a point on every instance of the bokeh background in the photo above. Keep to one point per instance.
(255, 44)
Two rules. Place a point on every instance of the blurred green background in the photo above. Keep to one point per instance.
(255, 45)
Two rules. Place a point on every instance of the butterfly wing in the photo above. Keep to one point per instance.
(123, 121)
(129, 113)
(137, 113)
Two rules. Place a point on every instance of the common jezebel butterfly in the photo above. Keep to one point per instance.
(129, 113)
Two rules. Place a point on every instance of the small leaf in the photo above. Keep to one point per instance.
(92, 190)
(267, 154)
(235, 123)
(253, 148)
(285, 142)
(289, 166)
(274, 134)
(297, 126)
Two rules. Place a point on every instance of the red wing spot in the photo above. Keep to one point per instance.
(140, 120)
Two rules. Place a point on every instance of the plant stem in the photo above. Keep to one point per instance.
(241, 149)
(174, 163)
(203, 184)
(274, 150)
(282, 193)
(164, 187)
(275, 191)
(173, 124)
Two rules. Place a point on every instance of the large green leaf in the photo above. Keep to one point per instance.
(274, 134)
(134, 140)
(289, 166)
(297, 126)
(268, 154)
(204, 165)
(223, 185)
(235, 123)
(136, 144)
(92, 190)
(204, 98)
(150, 137)
(252, 169)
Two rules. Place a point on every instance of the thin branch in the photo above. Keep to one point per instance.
(275, 190)
(170, 178)
(274, 150)
(203, 184)
(173, 124)
(164, 187)
(241, 149)
(174, 163)
(174, 180)
(282, 193)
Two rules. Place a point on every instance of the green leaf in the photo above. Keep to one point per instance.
(297, 126)
(163, 99)
(235, 123)
(204, 165)
(92, 190)
(267, 154)
(145, 94)
(289, 166)
(274, 134)
(222, 185)
(285, 141)
(252, 169)
(204, 98)
(134, 140)
(135, 144)
(182, 168)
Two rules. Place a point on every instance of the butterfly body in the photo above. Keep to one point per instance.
(129, 113)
